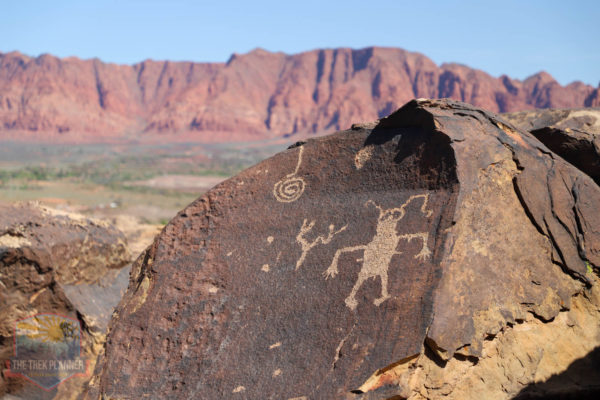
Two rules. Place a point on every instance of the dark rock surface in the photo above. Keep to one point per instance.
(572, 134)
(58, 263)
(350, 265)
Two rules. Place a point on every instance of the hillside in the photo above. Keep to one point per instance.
(253, 96)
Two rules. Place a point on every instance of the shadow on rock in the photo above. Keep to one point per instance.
(580, 381)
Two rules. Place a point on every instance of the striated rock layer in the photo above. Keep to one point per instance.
(255, 95)
(438, 252)
(58, 263)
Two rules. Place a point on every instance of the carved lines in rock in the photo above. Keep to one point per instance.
(378, 254)
(306, 245)
(291, 187)
(363, 155)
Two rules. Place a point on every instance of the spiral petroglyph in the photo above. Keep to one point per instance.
(291, 187)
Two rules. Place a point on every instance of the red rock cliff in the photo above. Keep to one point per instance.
(259, 94)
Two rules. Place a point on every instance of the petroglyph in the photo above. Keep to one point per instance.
(377, 255)
(306, 245)
(363, 155)
(238, 389)
(291, 187)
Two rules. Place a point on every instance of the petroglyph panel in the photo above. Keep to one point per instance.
(358, 250)
(318, 285)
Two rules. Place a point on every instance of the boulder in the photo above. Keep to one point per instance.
(573, 134)
(440, 251)
(62, 264)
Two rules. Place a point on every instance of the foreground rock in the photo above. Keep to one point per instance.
(438, 252)
(572, 134)
(57, 263)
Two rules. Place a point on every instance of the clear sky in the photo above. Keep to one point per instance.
(517, 38)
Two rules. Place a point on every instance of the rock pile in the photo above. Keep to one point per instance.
(63, 264)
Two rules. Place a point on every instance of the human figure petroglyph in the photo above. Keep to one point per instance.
(306, 245)
(291, 187)
(377, 255)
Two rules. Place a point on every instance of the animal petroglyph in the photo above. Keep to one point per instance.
(377, 255)
(291, 187)
(306, 245)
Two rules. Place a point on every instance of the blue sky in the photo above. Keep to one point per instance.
(518, 38)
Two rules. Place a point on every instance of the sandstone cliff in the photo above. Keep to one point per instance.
(254, 95)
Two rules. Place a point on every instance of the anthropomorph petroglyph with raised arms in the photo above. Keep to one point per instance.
(377, 255)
